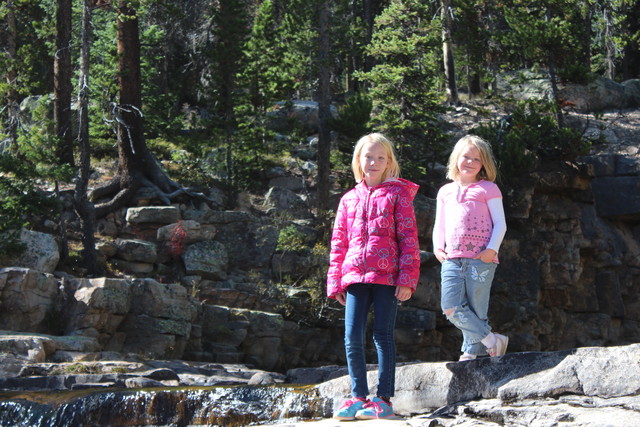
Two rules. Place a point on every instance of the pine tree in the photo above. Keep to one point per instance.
(407, 48)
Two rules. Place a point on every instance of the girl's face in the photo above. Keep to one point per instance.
(374, 160)
(469, 164)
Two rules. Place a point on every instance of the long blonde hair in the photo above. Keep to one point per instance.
(489, 170)
(393, 170)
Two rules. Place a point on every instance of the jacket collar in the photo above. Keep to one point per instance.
(409, 186)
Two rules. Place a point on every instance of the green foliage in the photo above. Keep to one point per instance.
(352, 123)
(291, 239)
(528, 135)
(160, 115)
(253, 151)
(159, 107)
(548, 33)
(34, 36)
(354, 116)
(298, 33)
(616, 33)
(20, 201)
(37, 136)
(187, 159)
(406, 45)
(268, 74)
(299, 296)
(78, 368)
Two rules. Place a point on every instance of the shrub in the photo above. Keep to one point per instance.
(20, 202)
(353, 118)
(530, 133)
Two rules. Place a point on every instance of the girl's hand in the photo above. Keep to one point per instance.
(342, 298)
(403, 293)
(486, 256)
(441, 255)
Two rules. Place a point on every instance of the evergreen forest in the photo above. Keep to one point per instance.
(175, 94)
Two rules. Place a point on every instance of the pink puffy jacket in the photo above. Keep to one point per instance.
(375, 238)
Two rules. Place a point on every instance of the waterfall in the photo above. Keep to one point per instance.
(212, 406)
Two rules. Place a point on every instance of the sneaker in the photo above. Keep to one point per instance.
(374, 409)
(349, 408)
(500, 347)
(467, 356)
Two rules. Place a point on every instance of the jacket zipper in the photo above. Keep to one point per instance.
(365, 233)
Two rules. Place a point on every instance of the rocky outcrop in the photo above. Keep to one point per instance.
(569, 273)
(584, 373)
(577, 387)
(41, 252)
(616, 186)
(28, 299)
(599, 95)
(570, 266)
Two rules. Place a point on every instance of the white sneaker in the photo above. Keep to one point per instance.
(500, 347)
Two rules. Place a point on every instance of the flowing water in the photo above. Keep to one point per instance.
(212, 406)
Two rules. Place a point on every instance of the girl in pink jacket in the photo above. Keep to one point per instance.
(374, 261)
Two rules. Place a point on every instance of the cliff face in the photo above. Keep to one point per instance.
(569, 269)
(207, 285)
(570, 262)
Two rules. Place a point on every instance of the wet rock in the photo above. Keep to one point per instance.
(261, 378)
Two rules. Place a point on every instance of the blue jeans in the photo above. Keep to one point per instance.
(466, 286)
(360, 297)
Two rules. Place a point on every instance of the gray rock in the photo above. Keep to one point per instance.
(283, 199)
(603, 372)
(291, 183)
(153, 214)
(137, 250)
(185, 232)
(261, 378)
(41, 252)
(26, 298)
(141, 382)
(618, 197)
(208, 259)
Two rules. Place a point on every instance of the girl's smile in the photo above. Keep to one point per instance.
(374, 161)
(469, 165)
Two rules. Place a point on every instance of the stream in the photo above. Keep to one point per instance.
(179, 406)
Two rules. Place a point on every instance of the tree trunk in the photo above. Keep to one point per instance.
(609, 45)
(132, 148)
(83, 206)
(13, 109)
(551, 64)
(586, 36)
(62, 83)
(368, 18)
(137, 167)
(447, 52)
(324, 101)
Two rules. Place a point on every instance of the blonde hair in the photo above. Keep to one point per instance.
(489, 170)
(393, 170)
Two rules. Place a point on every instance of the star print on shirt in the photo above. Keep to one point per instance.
(470, 246)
